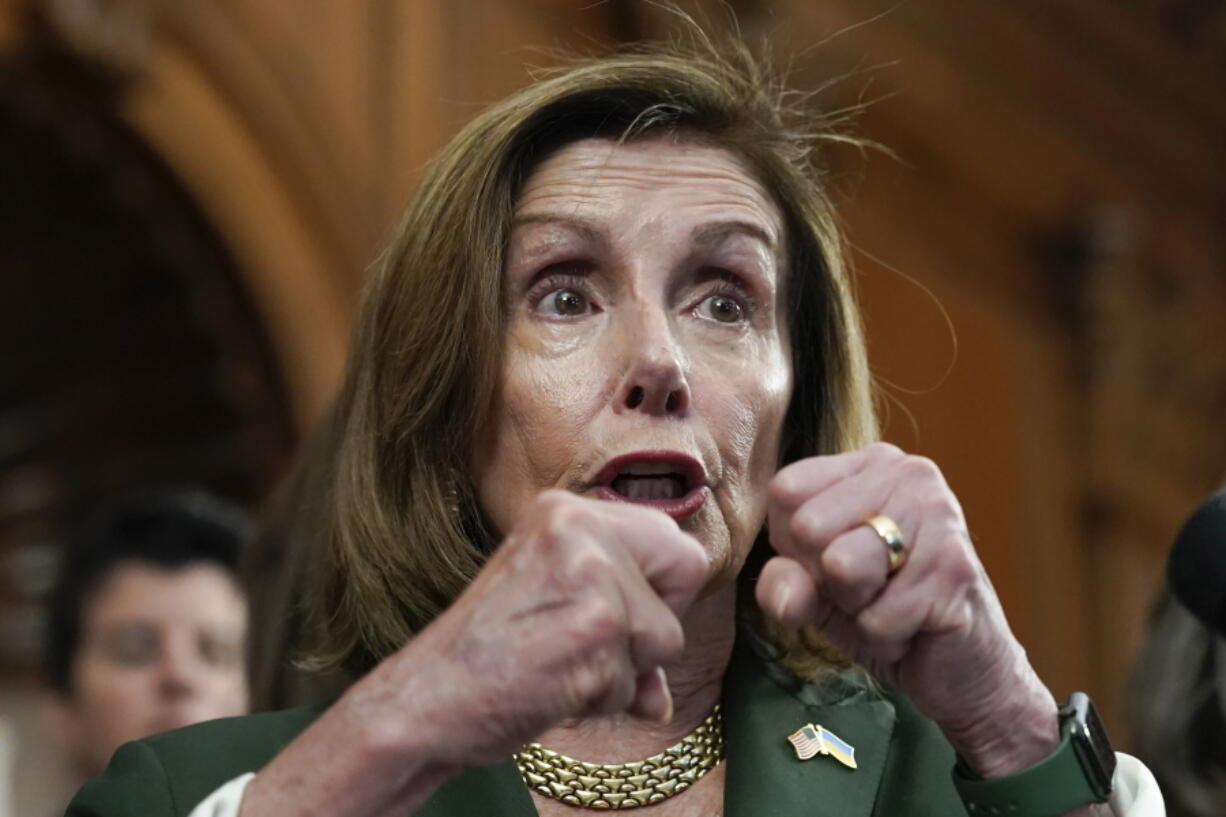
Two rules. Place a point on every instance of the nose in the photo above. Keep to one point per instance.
(179, 671)
(655, 374)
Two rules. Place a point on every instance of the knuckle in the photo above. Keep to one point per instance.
(603, 682)
(596, 622)
(875, 627)
(589, 681)
(919, 469)
(838, 565)
(961, 570)
(579, 562)
(562, 515)
(585, 563)
(935, 504)
(803, 527)
(784, 490)
(692, 562)
(884, 449)
(552, 500)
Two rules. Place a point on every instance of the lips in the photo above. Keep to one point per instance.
(668, 481)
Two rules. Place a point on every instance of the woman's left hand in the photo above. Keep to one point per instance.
(934, 628)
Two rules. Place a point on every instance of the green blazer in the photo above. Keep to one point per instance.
(903, 761)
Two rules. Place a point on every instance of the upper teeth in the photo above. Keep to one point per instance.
(644, 469)
(660, 488)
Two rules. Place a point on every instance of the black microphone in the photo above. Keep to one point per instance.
(1196, 570)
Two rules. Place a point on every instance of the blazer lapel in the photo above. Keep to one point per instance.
(763, 706)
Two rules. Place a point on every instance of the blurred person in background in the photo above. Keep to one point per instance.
(146, 627)
(1177, 716)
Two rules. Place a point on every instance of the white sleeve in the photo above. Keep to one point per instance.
(225, 801)
(1135, 793)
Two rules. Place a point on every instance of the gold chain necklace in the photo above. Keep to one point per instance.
(625, 785)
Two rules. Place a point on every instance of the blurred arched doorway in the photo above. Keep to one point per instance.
(133, 357)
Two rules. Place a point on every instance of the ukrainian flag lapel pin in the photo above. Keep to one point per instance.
(810, 740)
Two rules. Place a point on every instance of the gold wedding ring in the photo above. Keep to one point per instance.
(891, 536)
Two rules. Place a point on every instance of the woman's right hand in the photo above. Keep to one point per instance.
(573, 616)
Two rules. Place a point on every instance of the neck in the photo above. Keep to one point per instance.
(695, 681)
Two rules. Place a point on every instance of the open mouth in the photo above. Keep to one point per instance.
(667, 480)
(646, 480)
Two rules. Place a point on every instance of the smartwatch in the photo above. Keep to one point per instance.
(1078, 772)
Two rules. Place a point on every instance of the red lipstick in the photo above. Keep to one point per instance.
(668, 481)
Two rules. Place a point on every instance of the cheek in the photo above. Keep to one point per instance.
(753, 406)
(226, 692)
(114, 695)
(538, 426)
(748, 424)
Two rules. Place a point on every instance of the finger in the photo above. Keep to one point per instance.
(656, 634)
(846, 633)
(672, 562)
(786, 592)
(778, 528)
(854, 569)
(839, 509)
(653, 700)
(611, 681)
(601, 564)
(802, 479)
(897, 619)
(803, 495)
(929, 595)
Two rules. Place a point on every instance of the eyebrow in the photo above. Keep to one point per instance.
(714, 232)
(578, 225)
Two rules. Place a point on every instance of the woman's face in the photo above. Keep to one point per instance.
(160, 649)
(646, 357)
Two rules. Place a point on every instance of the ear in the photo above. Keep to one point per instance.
(60, 717)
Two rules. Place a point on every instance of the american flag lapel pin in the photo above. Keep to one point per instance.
(814, 739)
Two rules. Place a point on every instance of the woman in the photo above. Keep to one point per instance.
(614, 310)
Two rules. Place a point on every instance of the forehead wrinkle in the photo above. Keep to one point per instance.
(572, 190)
(676, 180)
(606, 163)
(579, 200)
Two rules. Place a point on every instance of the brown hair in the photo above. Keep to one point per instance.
(405, 536)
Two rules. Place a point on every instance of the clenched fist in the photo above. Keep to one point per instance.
(934, 628)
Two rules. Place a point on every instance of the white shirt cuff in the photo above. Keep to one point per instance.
(226, 801)
(1134, 793)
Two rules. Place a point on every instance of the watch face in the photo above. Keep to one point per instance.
(1091, 744)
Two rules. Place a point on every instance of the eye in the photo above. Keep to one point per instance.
(131, 646)
(722, 308)
(567, 302)
(217, 652)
